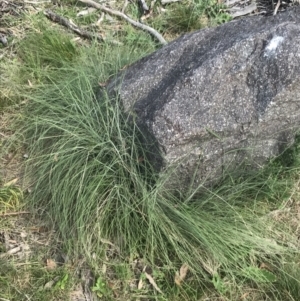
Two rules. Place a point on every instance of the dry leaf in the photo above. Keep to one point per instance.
(41, 229)
(12, 182)
(140, 284)
(23, 234)
(105, 241)
(104, 268)
(265, 266)
(179, 277)
(76, 39)
(25, 247)
(103, 84)
(183, 271)
(86, 12)
(152, 282)
(244, 296)
(13, 251)
(50, 264)
(49, 284)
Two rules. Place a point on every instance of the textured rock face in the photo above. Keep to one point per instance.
(217, 98)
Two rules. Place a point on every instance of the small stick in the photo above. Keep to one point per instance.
(276, 8)
(37, 2)
(163, 2)
(151, 30)
(14, 213)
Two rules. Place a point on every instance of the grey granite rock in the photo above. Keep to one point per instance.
(219, 98)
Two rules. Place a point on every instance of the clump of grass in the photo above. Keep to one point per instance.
(194, 15)
(89, 173)
(184, 18)
(10, 198)
(43, 51)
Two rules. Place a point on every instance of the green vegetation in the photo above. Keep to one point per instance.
(196, 15)
(10, 198)
(32, 281)
(89, 175)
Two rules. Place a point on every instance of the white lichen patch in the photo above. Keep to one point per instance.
(273, 45)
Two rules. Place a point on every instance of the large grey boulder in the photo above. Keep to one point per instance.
(219, 99)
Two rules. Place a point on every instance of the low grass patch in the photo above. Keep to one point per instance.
(32, 281)
(86, 171)
(191, 16)
(28, 268)
(27, 271)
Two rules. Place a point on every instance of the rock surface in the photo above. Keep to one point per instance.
(217, 99)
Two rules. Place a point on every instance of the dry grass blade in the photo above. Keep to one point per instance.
(179, 277)
(11, 183)
(152, 282)
(51, 264)
(14, 213)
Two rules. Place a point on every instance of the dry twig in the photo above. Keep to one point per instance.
(110, 11)
(63, 21)
(276, 8)
(14, 213)
(164, 2)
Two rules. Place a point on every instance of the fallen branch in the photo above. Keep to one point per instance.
(152, 31)
(63, 21)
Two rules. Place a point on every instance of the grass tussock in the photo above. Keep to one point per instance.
(10, 198)
(86, 171)
(193, 15)
(45, 51)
